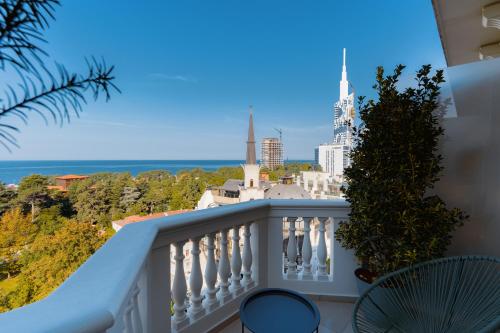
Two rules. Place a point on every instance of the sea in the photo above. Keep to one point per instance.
(11, 172)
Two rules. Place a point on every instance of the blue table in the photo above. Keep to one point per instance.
(279, 310)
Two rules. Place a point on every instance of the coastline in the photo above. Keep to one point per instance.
(12, 171)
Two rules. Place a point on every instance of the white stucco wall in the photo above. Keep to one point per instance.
(471, 150)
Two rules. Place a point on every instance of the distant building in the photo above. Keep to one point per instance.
(319, 184)
(63, 182)
(286, 189)
(334, 157)
(271, 153)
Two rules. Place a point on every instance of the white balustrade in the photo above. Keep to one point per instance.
(179, 289)
(321, 251)
(196, 281)
(307, 251)
(224, 269)
(292, 250)
(247, 258)
(236, 263)
(211, 301)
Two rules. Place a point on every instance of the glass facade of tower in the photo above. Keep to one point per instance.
(343, 119)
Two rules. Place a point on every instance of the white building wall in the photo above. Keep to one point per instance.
(471, 151)
(325, 158)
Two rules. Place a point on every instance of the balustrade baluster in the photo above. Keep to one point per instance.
(292, 250)
(179, 289)
(136, 315)
(128, 319)
(247, 258)
(321, 251)
(211, 301)
(196, 281)
(236, 263)
(224, 269)
(307, 251)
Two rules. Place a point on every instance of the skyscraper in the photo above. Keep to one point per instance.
(271, 153)
(334, 157)
(343, 111)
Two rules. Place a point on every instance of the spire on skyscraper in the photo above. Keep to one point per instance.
(344, 84)
(251, 157)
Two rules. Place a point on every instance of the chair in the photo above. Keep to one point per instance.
(456, 294)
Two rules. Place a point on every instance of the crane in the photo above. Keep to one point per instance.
(280, 131)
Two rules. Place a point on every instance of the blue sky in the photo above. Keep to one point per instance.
(189, 69)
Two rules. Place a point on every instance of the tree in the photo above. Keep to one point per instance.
(129, 197)
(186, 192)
(40, 91)
(7, 197)
(394, 221)
(33, 192)
(53, 258)
(93, 203)
(157, 195)
(49, 220)
(16, 233)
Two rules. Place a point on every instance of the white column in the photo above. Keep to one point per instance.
(179, 289)
(292, 250)
(196, 281)
(307, 251)
(236, 263)
(247, 258)
(128, 319)
(321, 251)
(211, 301)
(136, 315)
(224, 269)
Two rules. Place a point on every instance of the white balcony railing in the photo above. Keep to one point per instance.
(127, 284)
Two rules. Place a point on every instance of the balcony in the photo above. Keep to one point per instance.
(128, 285)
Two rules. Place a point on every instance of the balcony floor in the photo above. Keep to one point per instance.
(335, 318)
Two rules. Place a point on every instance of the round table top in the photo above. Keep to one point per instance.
(279, 310)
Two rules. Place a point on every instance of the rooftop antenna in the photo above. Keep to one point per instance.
(280, 131)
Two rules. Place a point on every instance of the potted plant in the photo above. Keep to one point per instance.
(394, 220)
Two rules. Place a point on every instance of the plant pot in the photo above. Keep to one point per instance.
(364, 279)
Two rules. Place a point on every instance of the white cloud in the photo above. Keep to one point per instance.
(162, 76)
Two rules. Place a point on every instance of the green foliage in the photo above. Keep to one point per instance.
(33, 193)
(49, 220)
(393, 221)
(156, 189)
(187, 191)
(53, 258)
(7, 197)
(16, 233)
(287, 169)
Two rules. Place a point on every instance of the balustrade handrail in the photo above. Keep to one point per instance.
(91, 298)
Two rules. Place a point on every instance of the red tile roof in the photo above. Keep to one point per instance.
(69, 177)
(141, 218)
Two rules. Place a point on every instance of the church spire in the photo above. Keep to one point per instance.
(344, 84)
(251, 159)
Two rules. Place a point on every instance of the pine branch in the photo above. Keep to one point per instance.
(21, 25)
(56, 98)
